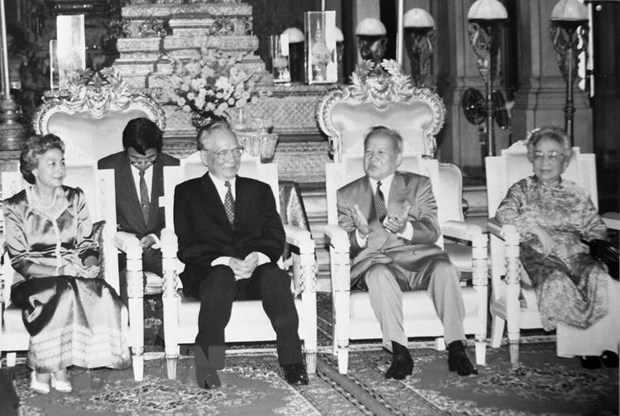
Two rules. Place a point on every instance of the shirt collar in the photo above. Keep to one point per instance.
(221, 183)
(386, 183)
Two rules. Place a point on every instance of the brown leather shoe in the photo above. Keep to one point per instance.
(458, 360)
(295, 373)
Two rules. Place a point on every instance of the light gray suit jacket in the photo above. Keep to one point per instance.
(413, 255)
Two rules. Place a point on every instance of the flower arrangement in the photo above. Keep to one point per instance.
(209, 86)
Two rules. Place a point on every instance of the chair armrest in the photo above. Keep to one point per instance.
(337, 237)
(168, 242)
(501, 231)
(5, 286)
(460, 230)
(299, 237)
(340, 262)
(127, 243)
(612, 220)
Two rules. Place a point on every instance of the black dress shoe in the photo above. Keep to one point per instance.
(402, 366)
(610, 359)
(590, 362)
(295, 373)
(458, 360)
(207, 378)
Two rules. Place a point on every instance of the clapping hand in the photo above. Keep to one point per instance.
(360, 221)
(397, 222)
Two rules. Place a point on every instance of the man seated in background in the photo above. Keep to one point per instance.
(139, 182)
(391, 218)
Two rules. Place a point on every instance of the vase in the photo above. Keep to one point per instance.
(202, 120)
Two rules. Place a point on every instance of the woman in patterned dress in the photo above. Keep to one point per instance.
(575, 293)
(73, 316)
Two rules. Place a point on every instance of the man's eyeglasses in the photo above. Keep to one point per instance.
(552, 156)
(223, 155)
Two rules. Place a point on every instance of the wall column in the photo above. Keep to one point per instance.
(541, 95)
(457, 70)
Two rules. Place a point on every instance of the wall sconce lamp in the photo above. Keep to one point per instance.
(419, 33)
(12, 133)
(485, 20)
(569, 35)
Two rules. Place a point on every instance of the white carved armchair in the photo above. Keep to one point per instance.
(98, 186)
(418, 114)
(248, 322)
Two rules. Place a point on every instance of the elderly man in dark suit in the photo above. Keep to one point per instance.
(139, 182)
(391, 218)
(230, 237)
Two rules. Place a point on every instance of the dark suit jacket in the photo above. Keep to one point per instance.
(411, 256)
(128, 214)
(204, 233)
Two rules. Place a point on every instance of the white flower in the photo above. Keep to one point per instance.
(223, 83)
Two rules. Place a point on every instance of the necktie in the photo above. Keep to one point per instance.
(380, 203)
(144, 197)
(229, 204)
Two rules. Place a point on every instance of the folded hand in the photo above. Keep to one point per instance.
(243, 269)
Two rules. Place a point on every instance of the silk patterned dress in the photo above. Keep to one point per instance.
(571, 289)
(71, 320)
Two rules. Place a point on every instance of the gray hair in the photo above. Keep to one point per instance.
(205, 131)
(554, 133)
(397, 139)
(36, 146)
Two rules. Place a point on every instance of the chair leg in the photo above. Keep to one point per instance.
(481, 351)
(138, 367)
(171, 366)
(440, 344)
(311, 362)
(11, 359)
(343, 360)
(497, 330)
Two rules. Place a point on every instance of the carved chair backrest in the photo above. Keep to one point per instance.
(346, 114)
(92, 117)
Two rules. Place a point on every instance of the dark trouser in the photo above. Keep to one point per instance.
(217, 292)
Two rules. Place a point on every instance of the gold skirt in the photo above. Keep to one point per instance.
(73, 321)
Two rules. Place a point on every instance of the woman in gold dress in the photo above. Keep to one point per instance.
(72, 315)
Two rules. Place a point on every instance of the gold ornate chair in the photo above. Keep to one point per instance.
(418, 114)
(248, 322)
(98, 185)
(91, 115)
(506, 272)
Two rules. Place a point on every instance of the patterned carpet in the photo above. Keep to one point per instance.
(253, 385)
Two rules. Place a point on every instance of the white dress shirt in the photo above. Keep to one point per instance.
(148, 178)
(222, 189)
